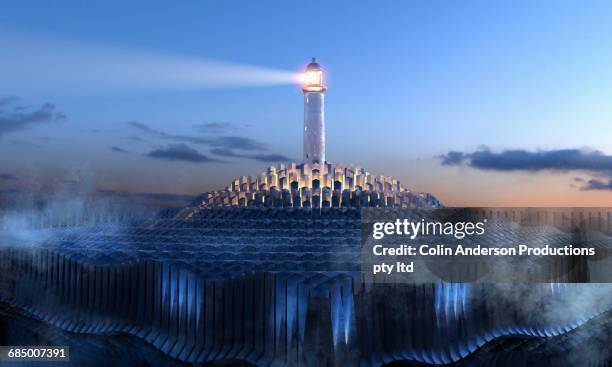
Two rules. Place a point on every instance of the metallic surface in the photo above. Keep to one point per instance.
(272, 286)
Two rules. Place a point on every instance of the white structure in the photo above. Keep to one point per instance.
(314, 116)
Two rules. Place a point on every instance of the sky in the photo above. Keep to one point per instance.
(480, 103)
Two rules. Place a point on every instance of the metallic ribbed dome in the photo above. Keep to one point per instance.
(314, 65)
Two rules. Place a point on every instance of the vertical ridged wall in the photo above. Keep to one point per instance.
(280, 319)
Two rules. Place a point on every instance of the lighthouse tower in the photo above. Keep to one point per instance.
(314, 117)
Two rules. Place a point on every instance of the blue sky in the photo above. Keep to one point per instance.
(408, 81)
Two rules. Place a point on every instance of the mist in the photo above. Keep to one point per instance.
(33, 217)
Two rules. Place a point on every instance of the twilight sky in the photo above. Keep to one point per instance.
(479, 102)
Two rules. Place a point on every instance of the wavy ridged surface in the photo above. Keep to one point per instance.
(271, 287)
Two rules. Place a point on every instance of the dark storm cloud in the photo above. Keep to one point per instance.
(179, 152)
(15, 117)
(595, 184)
(119, 150)
(7, 177)
(523, 160)
(262, 157)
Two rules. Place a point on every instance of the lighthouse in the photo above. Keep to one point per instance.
(314, 116)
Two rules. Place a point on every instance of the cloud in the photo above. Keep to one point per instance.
(224, 146)
(24, 143)
(7, 100)
(164, 135)
(595, 184)
(135, 138)
(270, 157)
(119, 150)
(262, 157)
(7, 177)
(452, 158)
(522, 160)
(226, 153)
(143, 127)
(15, 117)
(179, 152)
(237, 142)
(217, 127)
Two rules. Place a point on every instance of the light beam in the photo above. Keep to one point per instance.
(33, 63)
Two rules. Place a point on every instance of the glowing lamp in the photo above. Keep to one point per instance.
(312, 79)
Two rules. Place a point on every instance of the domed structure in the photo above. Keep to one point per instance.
(313, 65)
(314, 186)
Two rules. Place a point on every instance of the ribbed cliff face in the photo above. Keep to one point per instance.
(277, 286)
